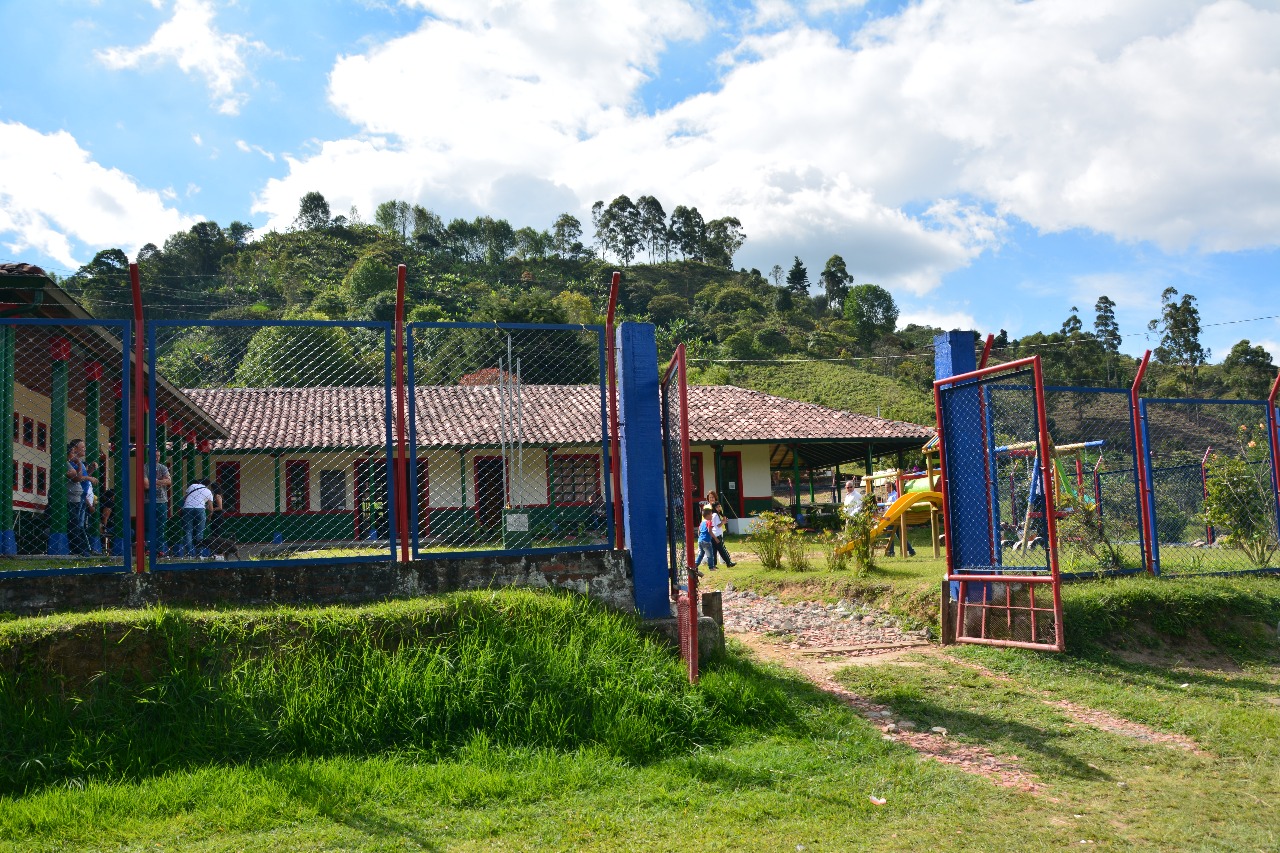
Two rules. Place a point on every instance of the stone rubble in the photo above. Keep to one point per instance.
(813, 625)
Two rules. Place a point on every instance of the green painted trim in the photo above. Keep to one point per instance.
(6, 418)
(58, 447)
(92, 424)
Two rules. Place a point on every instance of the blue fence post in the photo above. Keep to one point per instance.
(967, 456)
(643, 490)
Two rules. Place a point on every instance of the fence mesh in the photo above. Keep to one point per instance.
(1212, 498)
(1095, 479)
(508, 437)
(999, 510)
(277, 446)
(61, 386)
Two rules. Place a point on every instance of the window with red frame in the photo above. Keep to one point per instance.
(297, 485)
(42, 480)
(17, 426)
(576, 480)
(29, 432)
(42, 436)
(228, 477)
(28, 477)
(15, 476)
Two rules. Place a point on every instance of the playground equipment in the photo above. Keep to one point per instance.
(919, 502)
(1068, 495)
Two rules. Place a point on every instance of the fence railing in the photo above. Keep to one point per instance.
(275, 442)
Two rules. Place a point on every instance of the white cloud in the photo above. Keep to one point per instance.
(191, 41)
(905, 150)
(52, 194)
(937, 319)
(254, 149)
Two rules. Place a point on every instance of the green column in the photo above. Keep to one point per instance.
(206, 460)
(276, 459)
(189, 456)
(795, 473)
(92, 421)
(870, 450)
(162, 438)
(8, 537)
(60, 353)
(116, 463)
(812, 497)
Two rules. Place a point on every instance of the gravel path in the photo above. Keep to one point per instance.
(843, 627)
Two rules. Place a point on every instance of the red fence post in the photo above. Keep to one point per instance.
(1140, 459)
(1275, 446)
(615, 452)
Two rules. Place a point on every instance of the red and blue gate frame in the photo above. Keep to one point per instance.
(1050, 505)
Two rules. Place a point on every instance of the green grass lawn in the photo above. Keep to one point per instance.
(526, 721)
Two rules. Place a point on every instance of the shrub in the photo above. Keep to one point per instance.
(1238, 505)
(857, 530)
(834, 557)
(768, 538)
(796, 547)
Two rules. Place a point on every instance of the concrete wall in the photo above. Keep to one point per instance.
(603, 576)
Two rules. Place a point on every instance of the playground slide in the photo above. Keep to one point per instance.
(897, 508)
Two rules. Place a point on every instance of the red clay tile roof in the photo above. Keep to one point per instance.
(452, 416)
(724, 413)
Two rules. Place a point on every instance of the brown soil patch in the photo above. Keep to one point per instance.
(1101, 720)
(1119, 725)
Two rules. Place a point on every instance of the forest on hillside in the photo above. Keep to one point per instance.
(742, 326)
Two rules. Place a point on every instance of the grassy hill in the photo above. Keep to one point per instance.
(838, 386)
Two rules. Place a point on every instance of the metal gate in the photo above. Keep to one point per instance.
(1002, 543)
(680, 507)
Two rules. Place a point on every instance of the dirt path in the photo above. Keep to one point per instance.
(817, 639)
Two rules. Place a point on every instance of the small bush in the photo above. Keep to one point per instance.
(857, 530)
(768, 538)
(796, 547)
(834, 557)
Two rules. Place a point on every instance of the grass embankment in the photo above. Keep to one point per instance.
(837, 386)
(516, 720)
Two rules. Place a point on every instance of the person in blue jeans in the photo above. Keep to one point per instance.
(195, 510)
(706, 541)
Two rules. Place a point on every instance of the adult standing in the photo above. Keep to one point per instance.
(196, 504)
(164, 482)
(852, 497)
(78, 479)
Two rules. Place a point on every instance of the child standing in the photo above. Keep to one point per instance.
(706, 541)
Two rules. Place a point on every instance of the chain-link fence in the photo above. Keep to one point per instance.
(276, 447)
(1212, 498)
(508, 438)
(681, 501)
(64, 387)
(1095, 480)
(1001, 513)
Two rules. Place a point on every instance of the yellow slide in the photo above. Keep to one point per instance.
(904, 504)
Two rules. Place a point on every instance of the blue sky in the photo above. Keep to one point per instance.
(992, 163)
